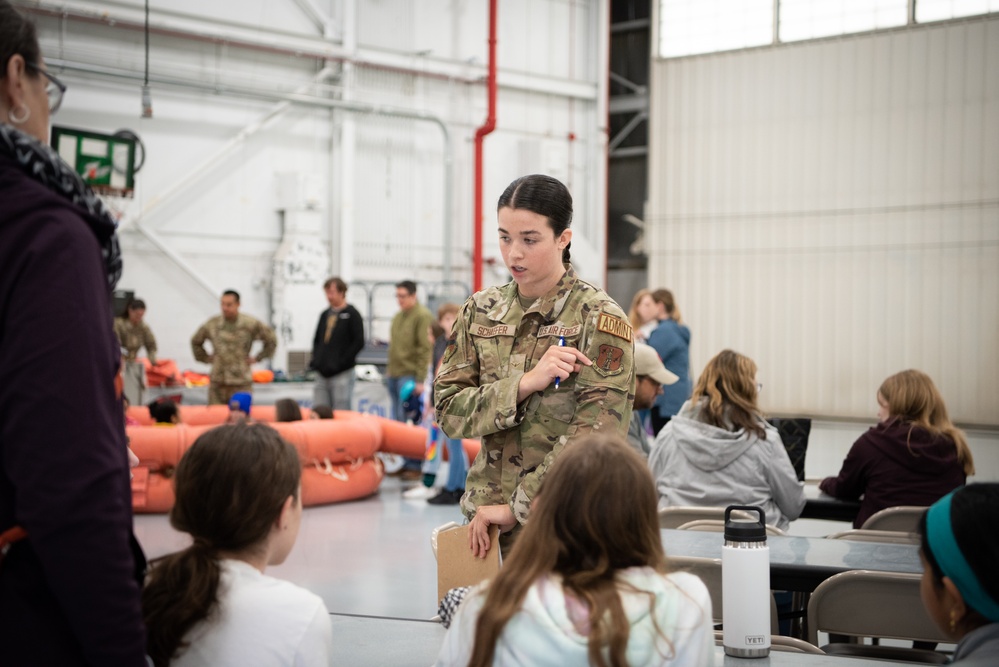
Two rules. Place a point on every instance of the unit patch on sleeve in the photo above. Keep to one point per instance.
(452, 345)
(609, 358)
(614, 326)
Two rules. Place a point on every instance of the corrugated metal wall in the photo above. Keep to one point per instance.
(831, 208)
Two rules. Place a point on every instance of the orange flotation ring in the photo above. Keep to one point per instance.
(324, 484)
(216, 414)
(411, 441)
(336, 455)
(268, 413)
(472, 448)
(263, 376)
(402, 439)
(342, 441)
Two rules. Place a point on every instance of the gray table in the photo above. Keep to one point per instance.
(374, 641)
(802, 563)
(819, 505)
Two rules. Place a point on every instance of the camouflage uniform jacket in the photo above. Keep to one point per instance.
(133, 337)
(231, 343)
(494, 343)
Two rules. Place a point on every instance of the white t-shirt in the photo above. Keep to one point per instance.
(262, 621)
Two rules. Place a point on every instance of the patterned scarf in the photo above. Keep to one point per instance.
(42, 163)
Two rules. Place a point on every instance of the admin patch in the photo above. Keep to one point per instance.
(615, 326)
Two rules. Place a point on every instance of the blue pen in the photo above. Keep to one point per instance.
(561, 343)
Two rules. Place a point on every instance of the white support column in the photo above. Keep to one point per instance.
(598, 186)
(343, 248)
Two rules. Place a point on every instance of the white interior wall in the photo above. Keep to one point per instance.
(829, 442)
(831, 209)
(426, 57)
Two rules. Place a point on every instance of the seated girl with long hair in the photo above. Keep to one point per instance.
(587, 583)
(913, 456)
(239, 496)
(960, 587)
(719, 451)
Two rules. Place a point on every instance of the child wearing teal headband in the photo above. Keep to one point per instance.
(960, 587)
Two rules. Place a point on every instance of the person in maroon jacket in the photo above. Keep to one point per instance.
(914, 456)
(69, 589)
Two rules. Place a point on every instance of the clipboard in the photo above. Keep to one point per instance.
(456, 566)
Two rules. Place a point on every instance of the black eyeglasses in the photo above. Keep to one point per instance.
(54, 89)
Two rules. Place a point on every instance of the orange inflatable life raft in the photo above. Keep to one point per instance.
(217, 414)
(411, 441)
(337, 459)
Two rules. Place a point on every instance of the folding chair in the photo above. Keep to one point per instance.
(709, 570)
(902, 519)
(676, 516)
(718, 526)
(888, 536)
(864, 603)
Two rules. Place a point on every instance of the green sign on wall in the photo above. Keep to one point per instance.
(105, 162)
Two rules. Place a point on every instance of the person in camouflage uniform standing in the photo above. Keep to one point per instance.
(532, 365)
(134, 334)
(231, 334)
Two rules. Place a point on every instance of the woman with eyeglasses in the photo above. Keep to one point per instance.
(69, 579)
(719, 451)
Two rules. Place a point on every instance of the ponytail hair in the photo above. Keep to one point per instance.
(665, 297)
(231, 486)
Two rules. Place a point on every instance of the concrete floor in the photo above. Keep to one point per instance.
(370, 556)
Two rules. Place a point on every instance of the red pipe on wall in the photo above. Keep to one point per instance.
(480, 134)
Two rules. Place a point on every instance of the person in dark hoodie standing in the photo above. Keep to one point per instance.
(69, 586)
(339, 339)
(914, 456)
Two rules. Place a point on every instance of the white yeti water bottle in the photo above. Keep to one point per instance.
(746, 586)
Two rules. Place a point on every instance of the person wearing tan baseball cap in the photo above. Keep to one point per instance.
(650, 376)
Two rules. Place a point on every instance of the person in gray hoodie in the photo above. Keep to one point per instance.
(719, 451)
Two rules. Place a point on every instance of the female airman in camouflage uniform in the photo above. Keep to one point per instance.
(532, 365)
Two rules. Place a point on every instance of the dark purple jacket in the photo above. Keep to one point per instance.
(895, 464)
(68, 594)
